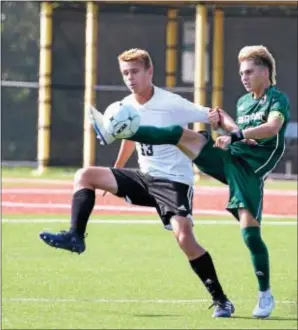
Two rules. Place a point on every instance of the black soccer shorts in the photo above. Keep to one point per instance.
(170, 198)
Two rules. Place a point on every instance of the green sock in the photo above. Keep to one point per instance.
(259, 255)
(158, 135)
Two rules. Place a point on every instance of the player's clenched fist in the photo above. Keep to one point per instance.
(214, 118)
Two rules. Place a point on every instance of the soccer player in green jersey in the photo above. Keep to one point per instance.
(243, 157)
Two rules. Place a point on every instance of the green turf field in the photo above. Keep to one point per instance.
(134, 276)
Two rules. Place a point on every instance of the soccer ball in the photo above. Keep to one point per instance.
(121, 120)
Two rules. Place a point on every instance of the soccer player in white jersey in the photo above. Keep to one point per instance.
(164, 181)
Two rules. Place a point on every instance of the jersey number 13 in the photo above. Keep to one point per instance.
(146, 149)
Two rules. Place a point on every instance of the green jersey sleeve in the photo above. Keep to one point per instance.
(280, 104)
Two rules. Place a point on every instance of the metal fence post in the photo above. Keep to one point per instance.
(90, 80)
(44, 99)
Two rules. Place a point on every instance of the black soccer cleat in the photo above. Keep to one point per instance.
(65, 240)
(222, 308)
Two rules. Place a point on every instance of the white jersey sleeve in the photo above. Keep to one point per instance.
(185, 112)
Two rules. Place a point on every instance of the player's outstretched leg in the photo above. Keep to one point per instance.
(96, 119)
(158, 135)
(145, 134)
(83, 201)
(74, 239)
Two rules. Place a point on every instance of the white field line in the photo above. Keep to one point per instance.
(132, 209)
(144, 222)
(126, 301)
(197, 191)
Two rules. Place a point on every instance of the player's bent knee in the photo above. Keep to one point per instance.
(181, 224)
(184, 240)
(191, 143)
(80, 175)
(248, 240)
(77, 176)
(182, 236)
(83, 178)
(182, 228)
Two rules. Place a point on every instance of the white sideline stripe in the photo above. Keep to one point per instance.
(146, 222)
(126, 301)
(197, 191)
(131, 209)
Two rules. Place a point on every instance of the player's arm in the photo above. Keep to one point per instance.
(227, 123)
(263, 131)
(184, 112)
(126, 150)
(270, 128)
(266, 130)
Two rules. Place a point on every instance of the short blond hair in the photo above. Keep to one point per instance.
(136, 54)
(261, 56)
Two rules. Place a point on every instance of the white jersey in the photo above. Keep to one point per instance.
(164, 109)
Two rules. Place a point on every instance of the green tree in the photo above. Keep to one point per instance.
(20, 62)
(20, 40)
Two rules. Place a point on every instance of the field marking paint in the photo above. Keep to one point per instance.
(197, 190)
(126, 301)
(119, 208)
(144, 222)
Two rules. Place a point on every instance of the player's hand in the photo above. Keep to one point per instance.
(251, 142)
(214, 118)
(222, 142)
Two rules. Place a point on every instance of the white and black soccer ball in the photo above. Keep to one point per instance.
(121, 120)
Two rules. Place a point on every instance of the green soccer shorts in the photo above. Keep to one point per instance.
(245, 187)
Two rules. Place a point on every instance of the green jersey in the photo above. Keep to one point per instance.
(254, 112)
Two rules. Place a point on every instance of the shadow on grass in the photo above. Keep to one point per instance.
(272, 318)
